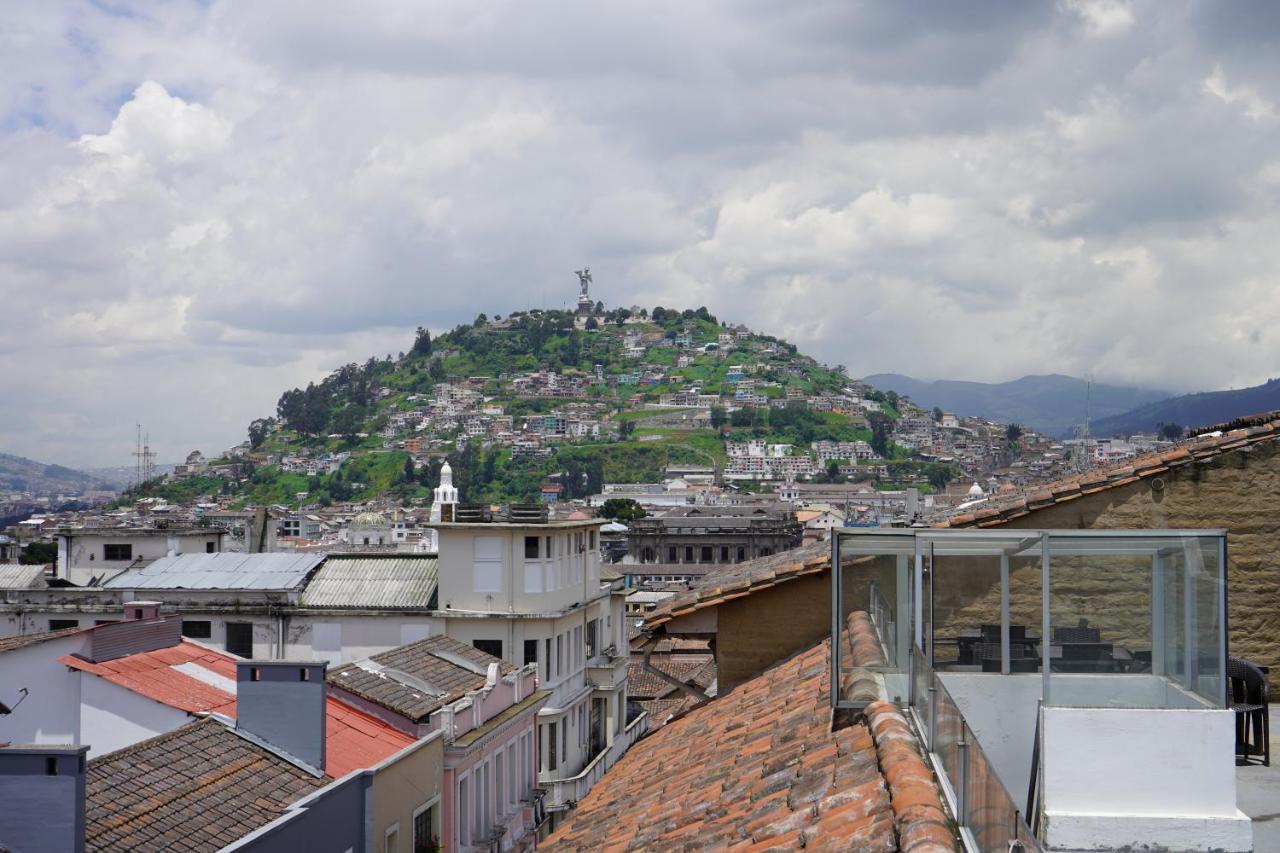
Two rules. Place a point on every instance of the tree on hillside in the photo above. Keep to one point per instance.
(659, 315)
(39, 554)
(348, 421)
(623, 509)
(1170, 431)
(422, 343)
(937, 413)
(718, 417)
(626, 428)
(591, 324)
(436, 371)
(881, 425)
(259, 429)
(1013, 432)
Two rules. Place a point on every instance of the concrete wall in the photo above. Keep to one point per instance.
(402, 786)
(113, 717)
(1239, 491)
(1141, 779)
(331, 820)
(51, 711)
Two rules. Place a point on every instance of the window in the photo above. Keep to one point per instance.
(63, 624)
(552, 753)
(688, 553)
(464, 812)
(742, 554)
(724, 554)
(513, 767)
(500, 783)
(487, 564)
(197, 629)
(530, 652)
(209, 547)
(706, 554)
(672, 554)
(240, 639)
(593, 630)
(531, 547)
(591, 540)
(424, 829)
(577, 646)
(564, 738)
(391, 843)
(117, 552)
(560, 653)
(548, 667)
(489, 647)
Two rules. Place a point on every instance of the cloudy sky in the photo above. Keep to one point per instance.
(202, 204)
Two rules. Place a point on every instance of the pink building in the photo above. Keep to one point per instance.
(487, 710)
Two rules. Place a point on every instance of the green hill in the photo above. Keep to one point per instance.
(385, 426)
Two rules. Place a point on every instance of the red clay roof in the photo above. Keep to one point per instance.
(354, 740)
(1210, 443)
(761, 768)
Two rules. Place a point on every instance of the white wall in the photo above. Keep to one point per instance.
(51, 711)
(1141, 778)
(112, 717)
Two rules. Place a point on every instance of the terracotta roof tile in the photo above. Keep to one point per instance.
(195, 789)
(22, 641)
(760, 768)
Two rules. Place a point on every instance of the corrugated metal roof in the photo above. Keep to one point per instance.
(223, 570)
(13, 576)
(365, 582)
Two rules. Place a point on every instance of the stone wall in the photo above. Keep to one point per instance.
(1238, 490)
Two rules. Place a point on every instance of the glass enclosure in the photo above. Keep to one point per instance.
(975, 630)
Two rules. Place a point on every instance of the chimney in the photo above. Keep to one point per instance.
(42, 792)
(141, 610)
(282, 703)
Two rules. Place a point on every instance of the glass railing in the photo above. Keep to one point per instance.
(988, 815)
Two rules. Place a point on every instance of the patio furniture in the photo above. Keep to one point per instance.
(1247, 696)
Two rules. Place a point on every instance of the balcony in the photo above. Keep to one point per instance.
(566, 793)
(607, 671)
(1068, 685)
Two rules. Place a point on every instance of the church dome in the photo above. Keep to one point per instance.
(975, 491)
(369, 519)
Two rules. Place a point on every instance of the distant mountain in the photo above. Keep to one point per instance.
(1194, 410)
(1050, 404)
(19, 474)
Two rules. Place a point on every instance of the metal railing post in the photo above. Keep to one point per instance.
(962, 780)
(933, 717)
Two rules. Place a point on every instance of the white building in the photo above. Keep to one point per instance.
(100, 553)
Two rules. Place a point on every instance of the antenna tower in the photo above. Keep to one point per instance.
(1086, 458)
(146, 457)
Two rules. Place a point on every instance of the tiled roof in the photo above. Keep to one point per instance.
(196, 679)
(427, 664)
(195, 789)
(1212, 442)
(699, 670)
(738, 579)
(393, 581)
(761, 768)
(8, 644)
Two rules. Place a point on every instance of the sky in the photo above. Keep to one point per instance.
(206, 203)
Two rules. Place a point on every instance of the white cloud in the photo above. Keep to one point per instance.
(206, 204)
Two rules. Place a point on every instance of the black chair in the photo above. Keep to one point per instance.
(1248, 690)
(1082, 633)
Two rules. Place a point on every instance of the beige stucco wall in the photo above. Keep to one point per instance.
(1239, 491)
(403, 786)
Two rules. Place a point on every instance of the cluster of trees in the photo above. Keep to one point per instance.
(665, 316)
(340, 403)
(622, 509)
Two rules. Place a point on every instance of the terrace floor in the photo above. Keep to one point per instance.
(1258, 795)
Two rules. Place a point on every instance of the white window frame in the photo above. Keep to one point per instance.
(394, 829)
(428, 805)
(465, 804)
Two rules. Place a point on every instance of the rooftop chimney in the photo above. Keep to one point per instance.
(282, 703)
(141, 610)
(42, 792)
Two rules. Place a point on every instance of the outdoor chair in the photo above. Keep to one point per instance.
(1248, 697)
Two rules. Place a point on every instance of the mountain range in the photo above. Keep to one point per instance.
(19, 474)
(1194, 410)
(1051, 404)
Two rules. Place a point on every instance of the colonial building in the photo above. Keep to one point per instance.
(712, 535)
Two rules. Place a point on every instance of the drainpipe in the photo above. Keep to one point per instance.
(651, 644)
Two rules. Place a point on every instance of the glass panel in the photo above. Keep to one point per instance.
(876, 574)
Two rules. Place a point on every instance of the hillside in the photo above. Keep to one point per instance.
(19, 474)
(1051, 404)
(1194, 410)
(536, 400)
